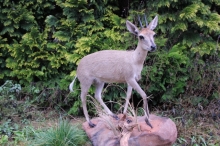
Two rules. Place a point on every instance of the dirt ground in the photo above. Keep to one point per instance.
(193, 124)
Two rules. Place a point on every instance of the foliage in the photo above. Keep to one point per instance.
(8, 89)
(8, 127)
(63, 134)
(89, 33)
(187, 115)
(23, 136)
(41, 43)
(167, 74)
(18, 107)
(10, 109)
(16, 19)
(16, 101)
(3, 139)
(187, 61)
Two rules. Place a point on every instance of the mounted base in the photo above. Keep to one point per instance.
(126, 132)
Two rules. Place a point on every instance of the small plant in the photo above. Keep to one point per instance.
(24, 136)
(3, 139)
(8, 89)
(7, 128)
(64, 134)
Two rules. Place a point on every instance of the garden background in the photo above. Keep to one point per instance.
(42, 41)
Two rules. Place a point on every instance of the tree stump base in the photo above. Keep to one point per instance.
(127, 132)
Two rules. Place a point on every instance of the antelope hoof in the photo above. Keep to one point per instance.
(148, 123)
(115, 117)
(91, 125)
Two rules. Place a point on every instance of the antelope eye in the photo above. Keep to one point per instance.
(141, 37)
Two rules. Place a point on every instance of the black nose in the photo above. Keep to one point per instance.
(153, 48)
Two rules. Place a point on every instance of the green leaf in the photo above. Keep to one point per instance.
(62, 35)
(51, 20)
(190, 11)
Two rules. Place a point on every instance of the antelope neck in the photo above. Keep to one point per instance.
(140, 54)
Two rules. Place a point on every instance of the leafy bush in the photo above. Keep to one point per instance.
(187, 63)
(42, 42)
(167, 73)
(16, 19)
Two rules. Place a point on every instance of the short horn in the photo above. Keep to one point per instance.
(145, 20)
(140, 21)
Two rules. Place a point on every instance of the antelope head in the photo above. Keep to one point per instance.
(145, 35)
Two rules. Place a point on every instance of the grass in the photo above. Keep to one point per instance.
(201, 130)
(197, 125)
(63, 134)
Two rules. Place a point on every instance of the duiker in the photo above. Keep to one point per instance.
(110, 66)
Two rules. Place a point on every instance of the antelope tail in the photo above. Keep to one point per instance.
(71, 84)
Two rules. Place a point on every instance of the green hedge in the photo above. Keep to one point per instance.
(43, 41)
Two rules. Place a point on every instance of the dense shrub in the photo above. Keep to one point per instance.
(187, 62)
(43, 41)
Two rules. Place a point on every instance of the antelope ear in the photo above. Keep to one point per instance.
(132, 28)
(153, 23)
